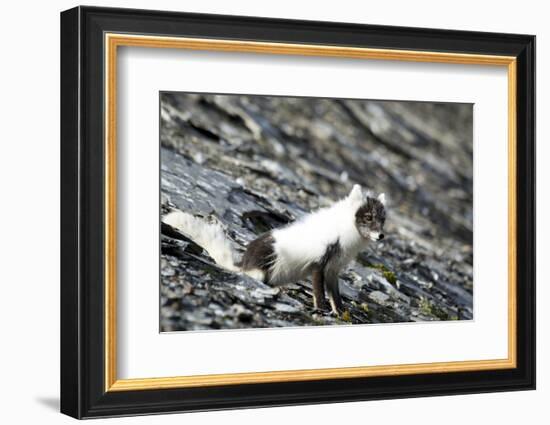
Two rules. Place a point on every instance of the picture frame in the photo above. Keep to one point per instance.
(90, 40)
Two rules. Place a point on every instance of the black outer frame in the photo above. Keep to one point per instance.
(82, 212)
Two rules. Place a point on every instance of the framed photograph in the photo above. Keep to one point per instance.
(261, 212)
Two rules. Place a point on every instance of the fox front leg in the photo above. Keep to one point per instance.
(333, 289)
(318, 282)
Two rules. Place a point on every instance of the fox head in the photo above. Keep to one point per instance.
(370, 215)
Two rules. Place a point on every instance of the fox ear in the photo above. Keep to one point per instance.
(356, 193)
(382, 198)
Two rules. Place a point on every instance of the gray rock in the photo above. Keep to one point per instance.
(379, 297)
(256, 163)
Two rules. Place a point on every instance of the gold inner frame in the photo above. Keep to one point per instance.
(113, 41)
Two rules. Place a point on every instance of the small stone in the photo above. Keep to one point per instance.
(379, 297)
(285, 308)
(242, 313)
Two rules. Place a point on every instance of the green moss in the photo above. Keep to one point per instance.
(387, 273)
(390, 277)
(346, 316)
(442, 314)
(430, 309)
(425, 306)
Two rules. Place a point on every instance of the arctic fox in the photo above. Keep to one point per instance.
(319, 244)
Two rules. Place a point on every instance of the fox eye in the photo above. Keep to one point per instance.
(368, 217)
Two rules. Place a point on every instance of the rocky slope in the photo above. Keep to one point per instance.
(259, 162)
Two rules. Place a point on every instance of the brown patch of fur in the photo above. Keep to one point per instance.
(260, 255)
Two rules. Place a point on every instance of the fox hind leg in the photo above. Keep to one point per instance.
(318, 281)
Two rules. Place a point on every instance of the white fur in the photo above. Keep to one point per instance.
(209, 235)
(382, 198)
(297, 246)
(304, 242)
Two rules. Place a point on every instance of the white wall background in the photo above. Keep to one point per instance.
(29, 224)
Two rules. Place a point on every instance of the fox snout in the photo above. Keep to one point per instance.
(376, 236)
